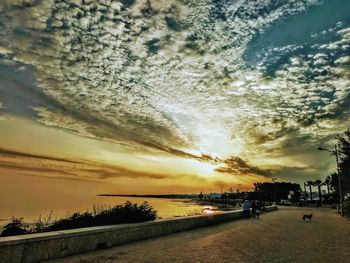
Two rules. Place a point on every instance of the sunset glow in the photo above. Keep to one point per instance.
(196, 96)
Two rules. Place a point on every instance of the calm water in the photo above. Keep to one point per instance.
(166, 208)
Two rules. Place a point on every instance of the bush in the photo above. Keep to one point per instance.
(15, 227)
(42, 223)
(76, 220)
(119, 214)
(127, 213)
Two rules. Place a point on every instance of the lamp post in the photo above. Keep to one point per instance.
(335, 153)
(274, 181)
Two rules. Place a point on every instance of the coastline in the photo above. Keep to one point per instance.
(166, 196)
(221, 204)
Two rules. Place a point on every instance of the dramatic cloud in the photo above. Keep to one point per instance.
(48, 166)
(237, 166)
(14, 154)
(200, 79)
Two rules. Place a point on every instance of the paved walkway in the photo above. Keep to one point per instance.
(280, 236)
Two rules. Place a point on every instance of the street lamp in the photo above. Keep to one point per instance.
(274, 179)
(335, 153)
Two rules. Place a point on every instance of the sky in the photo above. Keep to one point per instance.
(145, 97)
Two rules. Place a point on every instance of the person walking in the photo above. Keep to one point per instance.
(246, 209)
(258, 209)
(254, 206)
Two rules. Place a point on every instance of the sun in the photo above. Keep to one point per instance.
(206, 169)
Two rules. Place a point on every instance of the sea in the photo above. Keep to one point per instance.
(166, 208)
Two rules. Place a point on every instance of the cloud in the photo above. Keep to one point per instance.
(343, 60)
(295, 173)
(214, 78)
(237, 166)
(81, 170)
(14, 154)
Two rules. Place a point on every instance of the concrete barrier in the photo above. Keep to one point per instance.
(50, 245)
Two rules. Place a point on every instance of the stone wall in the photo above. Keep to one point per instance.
(51, 245)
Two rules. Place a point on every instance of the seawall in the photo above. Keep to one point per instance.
(50, 245)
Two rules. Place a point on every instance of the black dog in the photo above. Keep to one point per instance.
(307, 216)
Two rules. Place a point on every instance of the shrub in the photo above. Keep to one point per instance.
(127, 213)
(15, 227)
(76, 220)
(103, 215)
(42, 223)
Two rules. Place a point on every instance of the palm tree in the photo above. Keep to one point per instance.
(319, 183)
(310, 184)
(327, 182)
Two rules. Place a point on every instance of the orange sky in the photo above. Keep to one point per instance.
(101, 166)
(99, 97)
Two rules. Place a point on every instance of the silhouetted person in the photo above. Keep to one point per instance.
(254, 206)
(263, 209)
(258, 209)
(246, 209)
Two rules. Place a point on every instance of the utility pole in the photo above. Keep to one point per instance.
(339, 180)
(274, 181)
(336, 154)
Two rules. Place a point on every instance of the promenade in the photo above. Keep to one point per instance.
(280, 236)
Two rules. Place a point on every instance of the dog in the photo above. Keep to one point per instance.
(307, 217)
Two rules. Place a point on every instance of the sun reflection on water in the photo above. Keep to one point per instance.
(208, 210)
